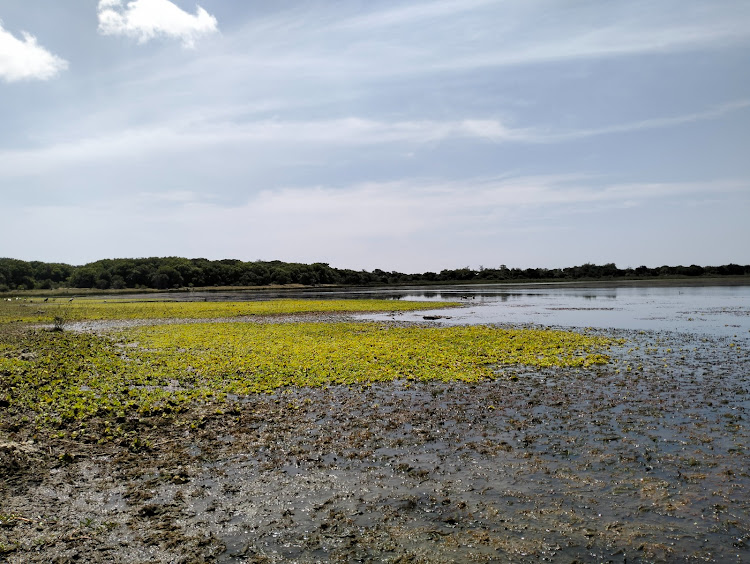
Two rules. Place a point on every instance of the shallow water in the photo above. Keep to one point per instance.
(707, 310)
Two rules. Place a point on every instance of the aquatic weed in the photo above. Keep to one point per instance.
(66, 378)
(97, 309)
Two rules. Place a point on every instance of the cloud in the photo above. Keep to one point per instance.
(406, 206)
(184, 135)
(24, 59)
(411, 225)
(419, 13)
(147, 19)
(655, 123)
(424, 38)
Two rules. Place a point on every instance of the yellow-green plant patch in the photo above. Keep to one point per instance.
(263, 357)
(68, 376)
(38, 311)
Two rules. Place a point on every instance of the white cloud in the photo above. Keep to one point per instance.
(403, 207)
(174, 138)
(413, 13)
(656, 123)
(147, 19)
(24, 59)
(375, 40)
(185, 135)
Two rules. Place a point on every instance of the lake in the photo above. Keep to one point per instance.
(711, 310)
(721, 310)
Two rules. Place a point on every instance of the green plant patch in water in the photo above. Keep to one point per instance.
(65, 377)
(93, 310)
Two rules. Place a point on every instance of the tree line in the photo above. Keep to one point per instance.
(175, 272)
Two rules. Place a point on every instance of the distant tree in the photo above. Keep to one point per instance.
(280, 276)
(171, 272)
(84, 277)
(103, 280)
(693, 270)
(118, 282)
(166, 277)
(308, 278)
(733, 269)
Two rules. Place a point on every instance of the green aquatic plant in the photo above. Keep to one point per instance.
(96, 309)
(67, 378)
(63, 379)
(264, 357)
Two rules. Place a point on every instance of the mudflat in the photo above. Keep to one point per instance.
(642, 459)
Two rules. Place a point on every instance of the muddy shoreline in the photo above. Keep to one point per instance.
(645, 460)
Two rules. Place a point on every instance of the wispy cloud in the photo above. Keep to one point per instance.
(147, 19)
(449, 35)
(655, 123)
(25, 59)
(414, 12)
(411, 204)
(184, 134)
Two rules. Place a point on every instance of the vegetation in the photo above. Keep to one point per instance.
(60, 312)
(176, 272)
(61, 379)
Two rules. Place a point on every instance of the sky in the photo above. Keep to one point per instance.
(409, 136)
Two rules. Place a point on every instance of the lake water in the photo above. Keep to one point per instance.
(722, 311)
(711, 310)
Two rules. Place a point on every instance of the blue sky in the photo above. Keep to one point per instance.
(407, 136)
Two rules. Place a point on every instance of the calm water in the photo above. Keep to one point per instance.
(707, 310)
(711, 310)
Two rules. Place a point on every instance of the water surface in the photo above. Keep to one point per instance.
(710, 310)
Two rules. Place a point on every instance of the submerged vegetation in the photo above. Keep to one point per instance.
(56, 379)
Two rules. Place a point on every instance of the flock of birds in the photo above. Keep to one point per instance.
(32, 301)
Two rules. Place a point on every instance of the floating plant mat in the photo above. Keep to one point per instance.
(66, 376)
(68, 311)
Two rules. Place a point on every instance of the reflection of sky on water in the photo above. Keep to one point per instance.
(710, 310)
(714, 310)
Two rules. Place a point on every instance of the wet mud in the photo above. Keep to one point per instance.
(643, 460)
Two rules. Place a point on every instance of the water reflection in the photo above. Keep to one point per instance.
(714, 310)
